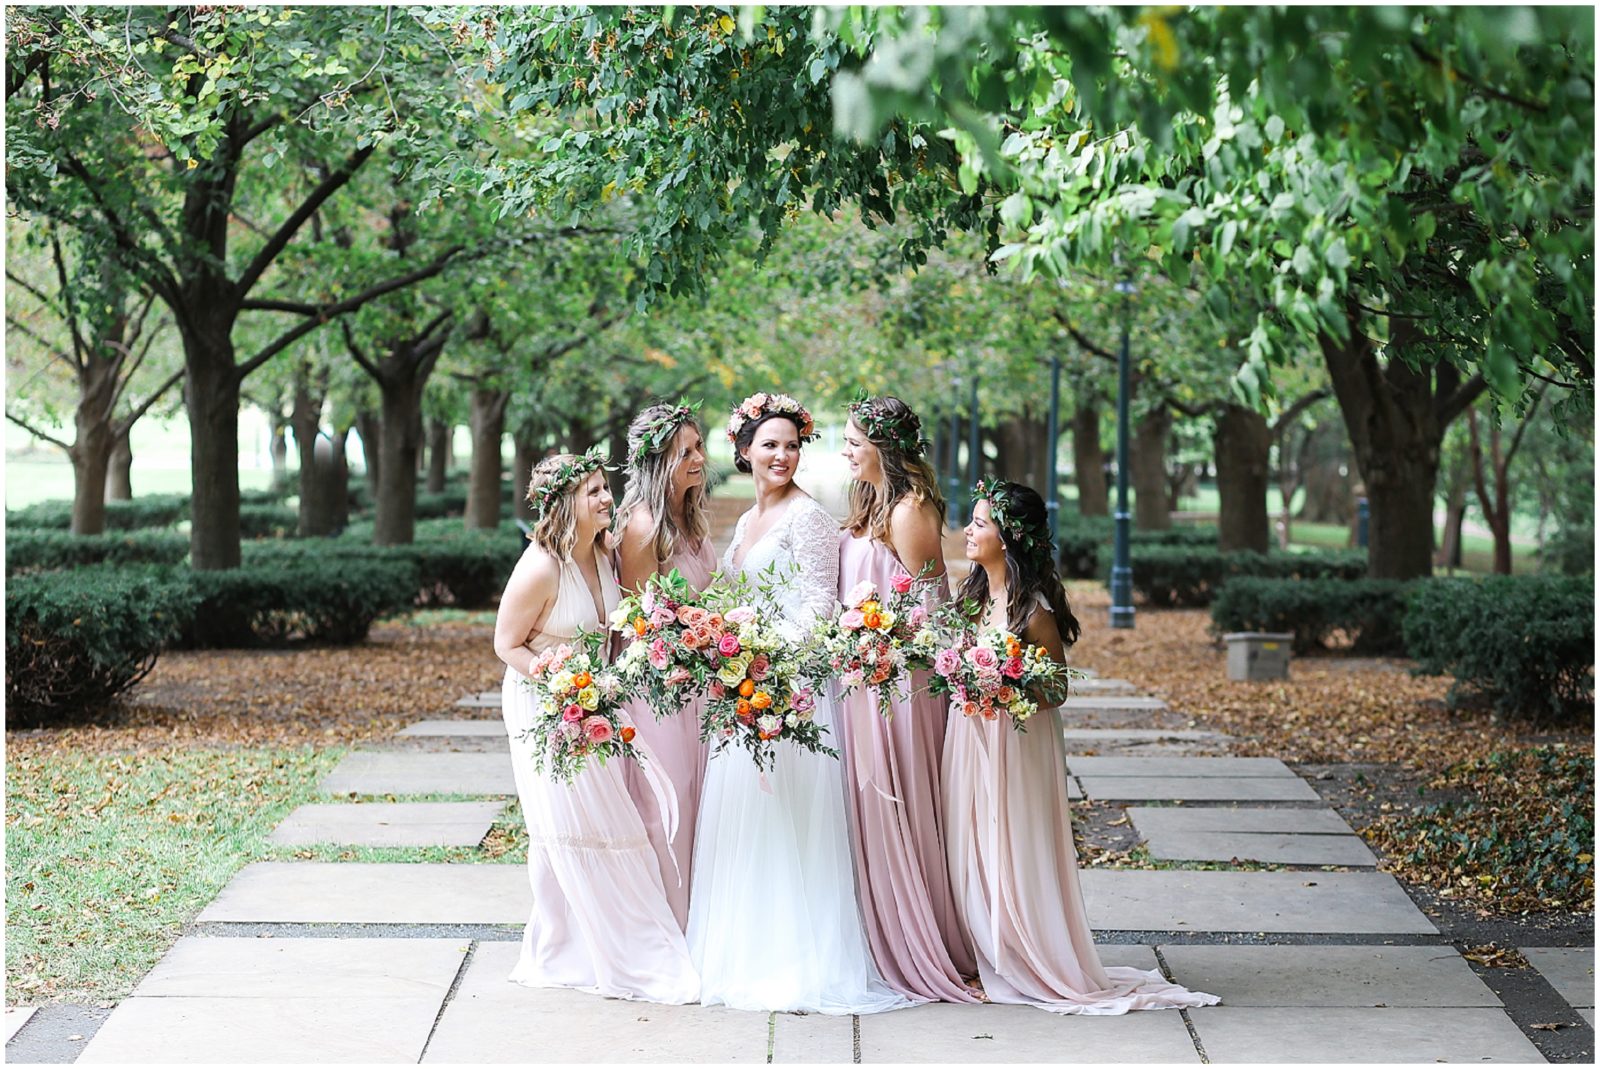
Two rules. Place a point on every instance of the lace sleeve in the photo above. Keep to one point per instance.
(814, 537)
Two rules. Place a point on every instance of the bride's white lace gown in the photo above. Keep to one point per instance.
(773, 918)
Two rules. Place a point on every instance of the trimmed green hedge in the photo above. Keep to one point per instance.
(1525, 642)
(152, 510)
(332, 599)
(1189, 577)
(1084, 545)
(1370, 611)
(80, 637)
(268, 521)
(32, 550)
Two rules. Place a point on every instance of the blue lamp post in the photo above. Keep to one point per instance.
(1121, 570)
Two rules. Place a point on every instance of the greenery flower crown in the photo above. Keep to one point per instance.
(1030, 538)
(902, 432)
(658, 432)
(758, 406)
(567, 476)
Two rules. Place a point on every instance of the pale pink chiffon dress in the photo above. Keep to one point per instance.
(1015, 874)
(675, 739)
(892, 783)
(600, 921)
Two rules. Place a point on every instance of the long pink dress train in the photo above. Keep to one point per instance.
(675, 739)
(1015, 874)
(600, 919)
(892, 782)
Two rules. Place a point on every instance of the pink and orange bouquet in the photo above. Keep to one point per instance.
(578, 699)
(877, 639)
(994, 673)
(672, 636)
(755, 699)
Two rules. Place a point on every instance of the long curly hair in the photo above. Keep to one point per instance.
(650, 486)
(556, 530)
(904, 472)
(1030, 564)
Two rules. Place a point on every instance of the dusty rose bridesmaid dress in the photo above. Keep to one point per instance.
(1015, 874)
(600, 919)
(682, 756)
(892, 786)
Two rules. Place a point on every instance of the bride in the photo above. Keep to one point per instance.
(773, 918)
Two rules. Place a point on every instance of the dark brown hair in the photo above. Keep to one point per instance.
(747, 435)
(1029, 571)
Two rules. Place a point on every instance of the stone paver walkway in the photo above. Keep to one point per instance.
(407, 962)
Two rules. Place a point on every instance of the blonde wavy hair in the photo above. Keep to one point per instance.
(903, 474)
(556, 531)
(650, 485)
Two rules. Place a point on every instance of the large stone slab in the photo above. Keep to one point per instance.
(305, 968)
(389, 823)
(490, 1019)
(1570, 970)
(1587, 1015)
(1198, 789)
(310, 892)
(1101, 687)
(1113, 703)
(1200, 901)
(489, 699)
(1271, 847)
(1361, 1035)
(366, 772)
(1074, 791)
(1328, 976)
(1111, 735)
(812, 1037)
(945, 1032)
(16, 1017)
(209, 1030)
(1179, 819)
(1144, 767)
(475, 729)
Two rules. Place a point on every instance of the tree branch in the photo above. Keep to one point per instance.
(355, 351)
(1292, 413)
(325, 189)
(1522, 428)
(1429, 57)
(138, 362)
(1079, 337)
(1462, 396)
(132, 417)
(349, 304)
(36, 432)
(50, 348)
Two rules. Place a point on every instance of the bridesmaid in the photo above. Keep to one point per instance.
(601, 921)
(662, 525)
(892, 762)
(1008, 832)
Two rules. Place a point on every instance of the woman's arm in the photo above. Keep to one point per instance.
(637, 555)
(528, 596)
(1042, 631)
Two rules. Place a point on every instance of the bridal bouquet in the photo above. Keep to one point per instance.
(578, 699)
(672, 640)
(990, 673)
(877, 639)
(756, 697)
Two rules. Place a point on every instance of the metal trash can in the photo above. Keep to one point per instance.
(1254, 656)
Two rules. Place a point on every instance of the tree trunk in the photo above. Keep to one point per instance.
(91, 458)
(1148, 469)
(119, 477)
(1088, 459)
(1455, 515)
(522, 462)
(370, 428)
(341, 480)
(395, 522)
(320, 490)
(1243, 447)
(211, 392)
(278, 448)
(1396, 417)
(484, 488)
(438, 454)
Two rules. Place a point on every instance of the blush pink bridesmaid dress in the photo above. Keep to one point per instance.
(675, 739)
(892, 782)
(600, 920)
(1015, 874)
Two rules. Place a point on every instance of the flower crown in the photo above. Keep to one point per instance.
(658, 432)
(760, 405)
(1030, 538)
(567, 476)
(904, 432)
